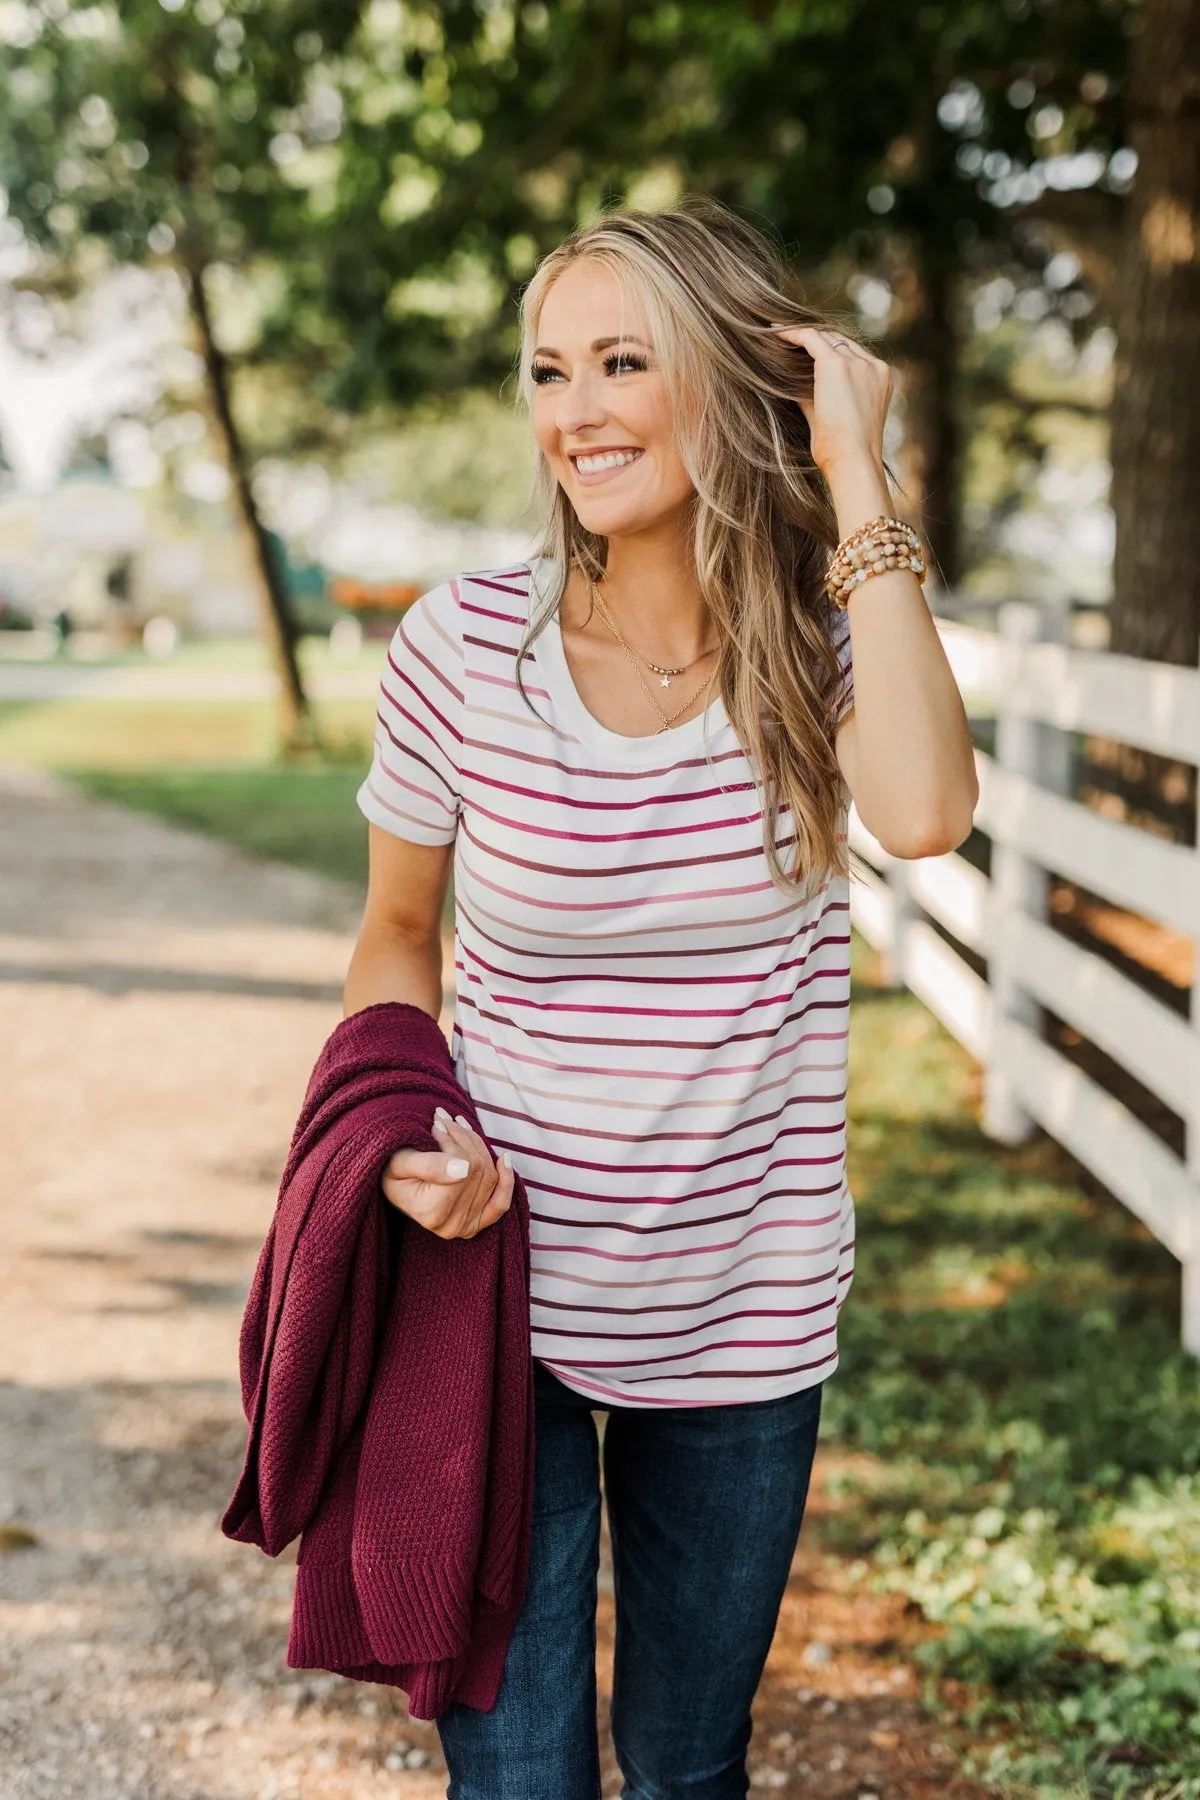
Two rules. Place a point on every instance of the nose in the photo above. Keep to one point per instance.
(580, 403)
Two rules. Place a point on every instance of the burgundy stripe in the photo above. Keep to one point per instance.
(644, 1043)
(580, 954)
(590, 904)
(518, 593)
(666, 1306)
(744, 1123)
(480, 779)
(663, 1012)
(520, 754)
(589, 1336)
(426, 662)
(507, 651)
(544, 1062)
(486, 612)
(649, 1362)
(428, 704)
(675, 1255)
(670, 1225)
(687, 828)
(618, 1397)
(588, 1197)
(415, 756)
(623, 870)
(749, 979)
(714, 1375)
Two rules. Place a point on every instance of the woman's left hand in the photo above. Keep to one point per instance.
(852, 391)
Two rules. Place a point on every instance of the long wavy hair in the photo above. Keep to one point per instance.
(710, 288)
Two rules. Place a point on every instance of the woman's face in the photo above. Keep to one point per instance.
(601, 412)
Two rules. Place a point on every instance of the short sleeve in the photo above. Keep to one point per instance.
(839, 637)
(412, 789)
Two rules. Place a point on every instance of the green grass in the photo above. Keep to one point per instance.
(1011, 1367)
(299, 815)
(210, 766)
(211, 653)
(153, 734)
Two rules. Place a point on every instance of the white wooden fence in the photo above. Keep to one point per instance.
(1030, 684)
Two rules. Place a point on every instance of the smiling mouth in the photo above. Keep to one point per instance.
(599, 465)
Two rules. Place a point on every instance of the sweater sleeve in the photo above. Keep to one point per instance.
(413, 787)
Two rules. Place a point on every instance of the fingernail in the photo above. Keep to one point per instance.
(439, 1112)
(460, 1120)
(457, 1167)
(506, 1159)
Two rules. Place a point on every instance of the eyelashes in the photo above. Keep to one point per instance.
(625, 362)
(617, 362)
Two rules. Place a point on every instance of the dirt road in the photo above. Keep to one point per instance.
(163, 999)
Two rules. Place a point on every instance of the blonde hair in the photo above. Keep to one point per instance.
(711, 287)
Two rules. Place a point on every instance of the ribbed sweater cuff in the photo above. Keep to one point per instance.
(414, 1608)
(327, 1628)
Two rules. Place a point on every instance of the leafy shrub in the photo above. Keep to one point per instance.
(1011, 1362)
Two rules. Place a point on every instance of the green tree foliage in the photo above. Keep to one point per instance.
(474, 137)
(160, 129)
(927, 142)
(404, 165)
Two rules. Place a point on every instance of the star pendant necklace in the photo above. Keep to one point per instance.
(663, 671)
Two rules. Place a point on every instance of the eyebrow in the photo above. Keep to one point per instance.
(605, 343)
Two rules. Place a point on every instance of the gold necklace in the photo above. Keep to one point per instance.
(663, 670)
(668, 719)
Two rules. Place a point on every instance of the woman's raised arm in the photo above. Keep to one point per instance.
(905, 751)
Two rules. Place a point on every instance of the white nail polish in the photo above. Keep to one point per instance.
(506, 1159)
(457, 1167)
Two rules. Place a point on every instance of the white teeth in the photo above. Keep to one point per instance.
(590, 465)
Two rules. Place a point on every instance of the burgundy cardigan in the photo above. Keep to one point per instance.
(388, 1383)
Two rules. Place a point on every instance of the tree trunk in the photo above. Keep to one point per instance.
(931, 460)
(1155, 416)
(296, 726)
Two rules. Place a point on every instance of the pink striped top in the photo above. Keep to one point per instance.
(654, 1031)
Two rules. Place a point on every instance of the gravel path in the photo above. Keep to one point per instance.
(163, 1000)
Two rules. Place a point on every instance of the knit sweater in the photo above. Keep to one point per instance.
(387, 1380)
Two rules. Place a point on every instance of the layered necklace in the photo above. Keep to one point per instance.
(662, 670)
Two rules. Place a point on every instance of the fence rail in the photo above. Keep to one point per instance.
(1038, 690)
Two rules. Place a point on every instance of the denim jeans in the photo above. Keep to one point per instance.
(704, 1508)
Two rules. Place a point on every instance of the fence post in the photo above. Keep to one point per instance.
(1018, 884)
(1054, 747)
(1190, 1321)
(894, 962)
(1191, 1262)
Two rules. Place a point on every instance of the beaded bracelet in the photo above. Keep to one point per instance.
(873, 549)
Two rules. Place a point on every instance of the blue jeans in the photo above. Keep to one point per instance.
(704, 1508)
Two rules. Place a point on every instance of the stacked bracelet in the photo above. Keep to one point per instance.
(872, 550)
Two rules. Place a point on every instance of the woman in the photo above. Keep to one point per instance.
(637, 750)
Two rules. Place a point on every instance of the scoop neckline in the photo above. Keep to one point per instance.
(560, 684)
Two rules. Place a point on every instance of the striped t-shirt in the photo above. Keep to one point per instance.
(654, 1032)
